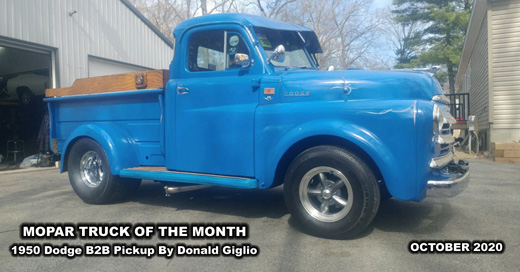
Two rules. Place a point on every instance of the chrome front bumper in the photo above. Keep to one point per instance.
(452, 186)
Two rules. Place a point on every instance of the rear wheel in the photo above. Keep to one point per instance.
(90, 176)
(331, 192)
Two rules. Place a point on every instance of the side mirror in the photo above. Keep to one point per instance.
(242, 59)
(278, 54)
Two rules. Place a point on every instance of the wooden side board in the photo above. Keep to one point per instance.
(153, 79)
(509, 160)
(506, 152)
(504, 146)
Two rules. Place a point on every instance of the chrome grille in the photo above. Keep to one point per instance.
(443, 140)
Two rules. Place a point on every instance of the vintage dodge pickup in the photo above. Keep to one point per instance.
(244, 105)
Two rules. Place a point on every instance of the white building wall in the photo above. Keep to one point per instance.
(502, 20)
(478, 78)
(105, 29)
(505, 39)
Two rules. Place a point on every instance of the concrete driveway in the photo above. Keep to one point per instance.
(487, 210)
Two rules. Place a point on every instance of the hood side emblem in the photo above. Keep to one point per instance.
(347, 88)
(268, 90)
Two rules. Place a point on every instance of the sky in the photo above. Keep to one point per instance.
(381, 3)
(387, 51)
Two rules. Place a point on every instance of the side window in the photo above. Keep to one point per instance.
(215, 50)
(206, 51)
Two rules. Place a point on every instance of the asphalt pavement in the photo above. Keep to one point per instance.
(486, 211)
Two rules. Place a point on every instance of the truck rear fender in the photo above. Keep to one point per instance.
(118, 145)
(272, 166)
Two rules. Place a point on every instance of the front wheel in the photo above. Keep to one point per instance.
(331, 192)
(90, 176)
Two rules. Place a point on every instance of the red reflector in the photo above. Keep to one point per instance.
(140, 81)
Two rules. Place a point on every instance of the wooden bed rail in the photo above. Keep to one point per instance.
(153, 79)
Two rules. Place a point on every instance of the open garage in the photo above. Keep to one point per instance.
(50, 44)
(25, 73)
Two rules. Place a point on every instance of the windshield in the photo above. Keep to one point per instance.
(295, 55)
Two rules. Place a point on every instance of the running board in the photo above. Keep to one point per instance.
(162, 174)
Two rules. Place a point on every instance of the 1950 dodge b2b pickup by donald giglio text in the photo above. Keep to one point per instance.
(244, 105)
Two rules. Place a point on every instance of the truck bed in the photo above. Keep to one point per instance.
(135, 113)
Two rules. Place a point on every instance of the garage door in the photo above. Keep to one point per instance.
(24, 74)
(26, 70)
(103, 67)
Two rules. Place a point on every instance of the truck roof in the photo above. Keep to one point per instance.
(311, 40)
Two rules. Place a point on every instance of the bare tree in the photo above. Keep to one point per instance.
(218, 6)
(166, 14)
(273, 9)
(404, 38)
(161, 13)
(357, 28)
(348, 30)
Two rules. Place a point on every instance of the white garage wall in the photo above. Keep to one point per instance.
(106, 29)
(102, 67)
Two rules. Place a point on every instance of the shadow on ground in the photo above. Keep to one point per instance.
(427, 217)
(253, 203)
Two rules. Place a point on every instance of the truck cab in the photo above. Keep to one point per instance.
(245, 105)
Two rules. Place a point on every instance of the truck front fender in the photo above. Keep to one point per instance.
(270, 158)
(118, 145)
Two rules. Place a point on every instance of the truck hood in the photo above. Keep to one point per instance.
(357, 85)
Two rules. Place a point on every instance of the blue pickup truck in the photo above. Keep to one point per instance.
(244, 105)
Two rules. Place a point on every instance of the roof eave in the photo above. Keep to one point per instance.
(147, 22)
(475, 23)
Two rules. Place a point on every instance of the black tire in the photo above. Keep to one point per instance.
(25, 96)
(90, 176)
(331, 192)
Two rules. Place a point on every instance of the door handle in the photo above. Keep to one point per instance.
(255, 83)
(182, 90)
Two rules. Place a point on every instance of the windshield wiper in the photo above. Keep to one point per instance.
(300, 67)
(285, 68)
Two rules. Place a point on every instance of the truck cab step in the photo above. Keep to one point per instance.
(163, 174)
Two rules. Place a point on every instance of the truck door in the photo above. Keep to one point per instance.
(215, 104)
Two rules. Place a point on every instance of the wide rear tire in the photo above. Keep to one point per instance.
(331, 192)
(90, 176)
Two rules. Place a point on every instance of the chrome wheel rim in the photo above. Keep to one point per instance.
(326, 194)
(91, 169)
